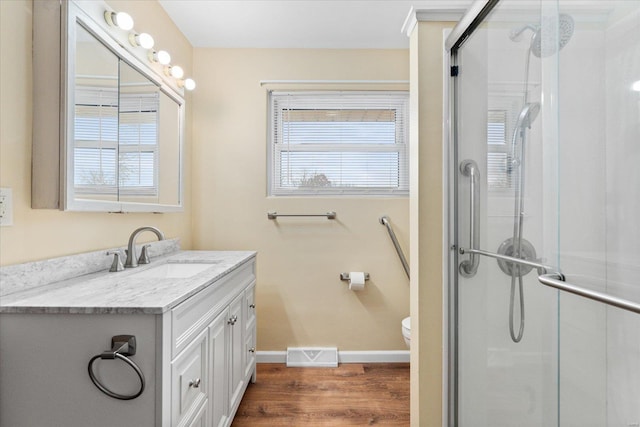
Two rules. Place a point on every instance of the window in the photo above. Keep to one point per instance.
(498, 156)
(101, 120)
(96, 141)
(138, 149)
(339, 143)
(501, 118)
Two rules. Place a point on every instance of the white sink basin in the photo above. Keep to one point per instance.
(175, 270)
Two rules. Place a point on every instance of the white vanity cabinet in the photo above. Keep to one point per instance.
(211, 369)
(197, 357)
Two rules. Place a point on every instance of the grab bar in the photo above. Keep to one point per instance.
(469, 267)
(555, 281)
(275, 215)
(542, 268)
(384, 220)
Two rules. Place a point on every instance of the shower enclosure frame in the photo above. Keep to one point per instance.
(456, 38)
(547, 275)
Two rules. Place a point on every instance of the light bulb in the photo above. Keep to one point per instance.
(636, 86)
(189, 84)
(177, 72)
(161, 57)
(121, 20)
(143, 40)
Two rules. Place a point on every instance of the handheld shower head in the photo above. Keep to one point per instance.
(553, 38)
(515, 35)
(527, 115)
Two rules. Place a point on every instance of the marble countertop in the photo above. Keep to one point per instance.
(123, 292)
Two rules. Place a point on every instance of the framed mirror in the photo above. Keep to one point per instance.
(121, 125)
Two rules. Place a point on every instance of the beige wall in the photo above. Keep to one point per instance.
(426, 224)
(39, 234)
(301, 301)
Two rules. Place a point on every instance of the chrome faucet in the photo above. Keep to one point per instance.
(131, 247)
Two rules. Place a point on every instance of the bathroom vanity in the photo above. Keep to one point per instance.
(193, 316)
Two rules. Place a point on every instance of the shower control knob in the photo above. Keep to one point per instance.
(195, 383)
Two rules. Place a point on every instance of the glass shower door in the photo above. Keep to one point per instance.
(507, 323)
(599, 211)
(545, 179)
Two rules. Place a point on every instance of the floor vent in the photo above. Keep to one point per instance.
(317, 357)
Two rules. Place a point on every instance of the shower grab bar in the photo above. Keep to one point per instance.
(384, 220)
(275, 215)
(469, 267)
(555, 281)
(542, 268)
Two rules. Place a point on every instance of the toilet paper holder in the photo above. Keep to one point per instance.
(346, 276)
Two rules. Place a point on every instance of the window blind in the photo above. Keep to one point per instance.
(339, 143)
(498, 172)
(498, 150)
(138, 144)
(116, 142)
(96, 140)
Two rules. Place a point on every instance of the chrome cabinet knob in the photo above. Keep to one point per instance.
(232, 320)
(195, 383)
(252, 350)
(252, 306)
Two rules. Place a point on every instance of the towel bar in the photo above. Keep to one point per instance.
(275, 215)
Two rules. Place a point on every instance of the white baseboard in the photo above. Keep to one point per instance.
(383, 356)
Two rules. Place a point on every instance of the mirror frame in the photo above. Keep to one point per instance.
(54, 103)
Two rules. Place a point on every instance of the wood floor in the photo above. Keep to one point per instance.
(350, 395)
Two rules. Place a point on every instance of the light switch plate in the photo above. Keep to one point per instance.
(6, 207)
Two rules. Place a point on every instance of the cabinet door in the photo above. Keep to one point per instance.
(236, 345)
(250, 333)
(250, 306)
(200, 419)
(218, 391)
(189, 380)
(250, 355)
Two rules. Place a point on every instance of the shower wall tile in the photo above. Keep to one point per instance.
(623, 210)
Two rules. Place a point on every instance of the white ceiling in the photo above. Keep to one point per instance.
(296, 23)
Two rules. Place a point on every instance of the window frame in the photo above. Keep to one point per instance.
(328, 100)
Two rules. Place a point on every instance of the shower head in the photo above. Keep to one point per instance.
(527, 115)
(553, 39)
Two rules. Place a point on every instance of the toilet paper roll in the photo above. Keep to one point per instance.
(356, 281)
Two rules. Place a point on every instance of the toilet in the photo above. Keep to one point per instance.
(406, 331)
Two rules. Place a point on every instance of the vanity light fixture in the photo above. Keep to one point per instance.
(188, 84)
(124, 21)
(121, 20)
(174, 71)
(143, 40)
(161, 57)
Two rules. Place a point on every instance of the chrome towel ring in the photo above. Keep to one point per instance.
(121, 347)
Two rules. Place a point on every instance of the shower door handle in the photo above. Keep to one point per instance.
(469, 267)
(555, 281)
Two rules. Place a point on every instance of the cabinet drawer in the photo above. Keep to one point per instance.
(250, 355)
(189, 381)
(193, 315)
